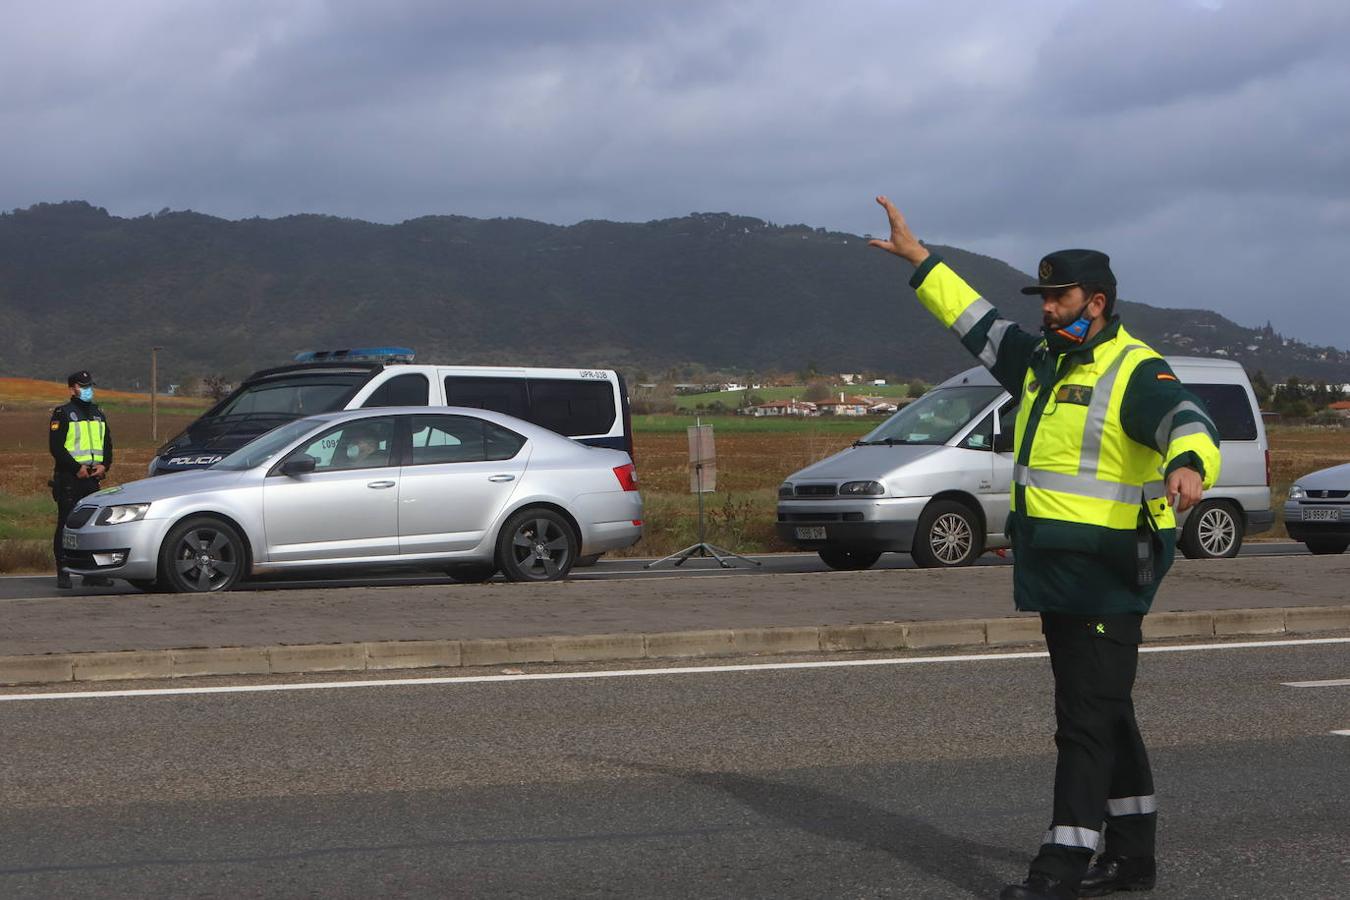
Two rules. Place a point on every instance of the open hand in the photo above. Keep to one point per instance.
(903, 243)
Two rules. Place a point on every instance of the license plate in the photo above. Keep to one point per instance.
(69, 540)
(1321, 515)
(812, 533)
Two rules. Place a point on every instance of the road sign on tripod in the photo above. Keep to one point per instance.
(702, 480)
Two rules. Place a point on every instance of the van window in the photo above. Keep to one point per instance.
(300, 395)
(935, 417)
(408, 389)
(572, 407)
(1229, 407)
(503, 395)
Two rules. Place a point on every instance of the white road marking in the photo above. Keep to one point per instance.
(1336, 682)
(1345, 733)
(624, 673)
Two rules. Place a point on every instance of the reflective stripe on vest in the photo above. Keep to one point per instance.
(1081, 466)
(84, 441)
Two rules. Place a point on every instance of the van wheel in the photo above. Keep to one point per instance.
(1212, 531)
(1322, 546)
(201, 554)
(470, 573)
(846, 560)
(536, 545)
(948, 535)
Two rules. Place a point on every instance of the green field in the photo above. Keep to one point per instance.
(734, 399)
(837, 425)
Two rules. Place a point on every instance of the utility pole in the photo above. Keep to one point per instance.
(154, 393)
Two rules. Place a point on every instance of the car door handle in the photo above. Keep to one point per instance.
(501, 478)
(380, 484)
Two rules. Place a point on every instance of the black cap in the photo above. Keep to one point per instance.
(81, 378)
(1066, 268)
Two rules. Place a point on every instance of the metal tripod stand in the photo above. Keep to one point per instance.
(702, 549)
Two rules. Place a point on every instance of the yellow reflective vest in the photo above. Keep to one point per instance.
(1098, 428)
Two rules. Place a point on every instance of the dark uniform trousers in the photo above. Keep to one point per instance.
(1102, 777)
(67, 491)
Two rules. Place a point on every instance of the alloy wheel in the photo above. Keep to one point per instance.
(540, 548)
(950, 538)
(205, 558)
(1216, 531)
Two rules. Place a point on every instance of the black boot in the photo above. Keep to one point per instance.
(1119, 873)
(62, 578)
(1038, 887)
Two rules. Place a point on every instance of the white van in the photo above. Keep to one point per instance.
(588, 405)
(934, 480)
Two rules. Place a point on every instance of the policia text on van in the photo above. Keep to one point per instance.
(1106, 441)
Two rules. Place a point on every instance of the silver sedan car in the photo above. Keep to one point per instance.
(1318, 510)
(466, 491)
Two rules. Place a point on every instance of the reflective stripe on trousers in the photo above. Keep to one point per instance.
(1072, 836)
(1132, 806)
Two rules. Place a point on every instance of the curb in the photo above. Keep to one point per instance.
(372, 656)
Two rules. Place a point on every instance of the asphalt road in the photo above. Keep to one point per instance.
(38, 586)
(909, 780)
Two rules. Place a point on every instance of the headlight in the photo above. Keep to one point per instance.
(869, 488)
(120, 515)
(785, 490)
(1296, 492)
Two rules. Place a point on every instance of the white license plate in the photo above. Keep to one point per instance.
(812, 533)
(69, 540)
(1321, 515)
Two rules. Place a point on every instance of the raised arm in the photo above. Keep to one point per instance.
(998, 343)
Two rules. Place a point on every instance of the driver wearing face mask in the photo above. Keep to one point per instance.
(81, 447)
(362, 449)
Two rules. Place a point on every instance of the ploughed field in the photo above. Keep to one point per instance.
(753, 457)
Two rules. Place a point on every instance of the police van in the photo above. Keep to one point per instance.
(589, 405)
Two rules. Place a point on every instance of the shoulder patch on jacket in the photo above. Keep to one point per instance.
(56, 426)
(1166, 376)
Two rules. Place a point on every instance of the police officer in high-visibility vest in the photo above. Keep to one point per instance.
(82, 454)
(1108, 446)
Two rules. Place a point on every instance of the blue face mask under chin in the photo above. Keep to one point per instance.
(1071, 335)
(86, 394)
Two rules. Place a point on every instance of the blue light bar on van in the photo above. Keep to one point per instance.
(353, 354)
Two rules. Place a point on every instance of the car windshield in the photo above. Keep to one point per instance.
(934, 418)
(296, 396)
(261, 449)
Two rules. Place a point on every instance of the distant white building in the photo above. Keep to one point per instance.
(785, 408)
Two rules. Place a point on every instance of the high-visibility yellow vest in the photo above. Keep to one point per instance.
(84, 440)
(1083, 467)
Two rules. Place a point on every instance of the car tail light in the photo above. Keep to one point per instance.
(1267, 467)
(627, 476)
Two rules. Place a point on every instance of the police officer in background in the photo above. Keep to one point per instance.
(82, 454)
(1108, 446)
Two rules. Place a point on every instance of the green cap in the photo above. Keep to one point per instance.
(1066, 268)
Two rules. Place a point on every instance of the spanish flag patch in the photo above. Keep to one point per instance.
(1166, 376)
(56, 426)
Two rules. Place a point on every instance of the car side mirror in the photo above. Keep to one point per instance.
(299, 465)
(1003, 442)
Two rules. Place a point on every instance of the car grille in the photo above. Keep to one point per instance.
(80, 516)
(821, 517)
(1328, 495)
(817, 490)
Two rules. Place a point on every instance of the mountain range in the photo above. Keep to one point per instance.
(80, 288)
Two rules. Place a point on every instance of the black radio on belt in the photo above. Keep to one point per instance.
(1147, 546)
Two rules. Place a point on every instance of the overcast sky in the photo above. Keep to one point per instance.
(1204, 144)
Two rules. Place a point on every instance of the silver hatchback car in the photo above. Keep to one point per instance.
(467, 491)
(1318, 510)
